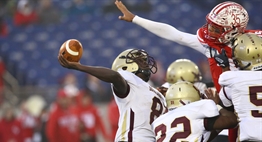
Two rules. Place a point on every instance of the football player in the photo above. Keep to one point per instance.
(183, 70)
(224, 22)
(242, 89)
(139, 104)
(189, 118)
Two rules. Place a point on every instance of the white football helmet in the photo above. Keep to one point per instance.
(135, 61)
(225, 21)
(183, 70)
(247, 52)
(181, 93)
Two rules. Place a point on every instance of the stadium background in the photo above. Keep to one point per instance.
(29, 53)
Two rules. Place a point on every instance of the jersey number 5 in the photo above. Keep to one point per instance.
(253, 95)
(177, 135)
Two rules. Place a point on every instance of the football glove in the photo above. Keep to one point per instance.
(222, 59)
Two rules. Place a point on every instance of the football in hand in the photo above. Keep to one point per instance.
(71, 50)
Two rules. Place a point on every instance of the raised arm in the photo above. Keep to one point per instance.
(161, 29)
(102, 73)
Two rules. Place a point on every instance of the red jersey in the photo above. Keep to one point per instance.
(90, 118)
(62, 126)
(28, 124)
(212, 48)
(10, 131)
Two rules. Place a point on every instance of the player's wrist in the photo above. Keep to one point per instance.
(135, 18)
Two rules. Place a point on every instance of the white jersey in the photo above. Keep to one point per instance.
(243, 90)
(138, 110)
(185, 123)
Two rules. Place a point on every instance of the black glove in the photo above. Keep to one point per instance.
(222, 59)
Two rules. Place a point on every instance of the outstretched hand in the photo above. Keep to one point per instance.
(63, 62)
(127, 15)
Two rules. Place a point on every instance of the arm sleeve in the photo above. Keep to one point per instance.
(170, 33)
(224, 97)
(225, 80)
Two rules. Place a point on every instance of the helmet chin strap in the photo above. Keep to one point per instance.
(243, 68)
(237, 64)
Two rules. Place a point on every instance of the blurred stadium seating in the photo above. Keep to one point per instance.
(30, 53)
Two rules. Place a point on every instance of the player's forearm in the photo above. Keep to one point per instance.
(213, 134)
(160, 29)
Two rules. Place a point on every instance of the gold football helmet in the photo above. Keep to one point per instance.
(181, 93)
(247, 52)
(183, 70)
(135, 61)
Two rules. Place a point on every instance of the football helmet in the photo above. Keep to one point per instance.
(135, 61)
(225, 21)
(247, 51)
(183, 70)
(181, 93)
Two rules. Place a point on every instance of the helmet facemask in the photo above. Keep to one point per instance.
(221, 34)
(146, 63)
(136, 61)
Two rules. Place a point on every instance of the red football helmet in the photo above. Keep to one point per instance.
(225, 21)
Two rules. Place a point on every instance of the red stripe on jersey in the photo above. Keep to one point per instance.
(130, 133)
